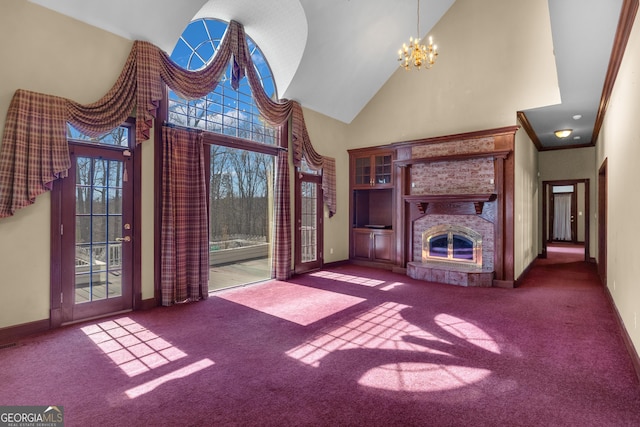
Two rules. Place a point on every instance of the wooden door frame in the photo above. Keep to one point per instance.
(603, 209)
(546, 194)
(574, 209)
(56, 314)
(298, 265)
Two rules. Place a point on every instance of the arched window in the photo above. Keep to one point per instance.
(241, 162)
(225, 110)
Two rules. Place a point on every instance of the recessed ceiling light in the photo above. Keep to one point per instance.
(576, 137)
(577, 117)
(563, 133)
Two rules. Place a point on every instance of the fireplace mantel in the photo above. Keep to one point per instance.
(422, 200)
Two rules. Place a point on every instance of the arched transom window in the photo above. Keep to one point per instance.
(225, 110)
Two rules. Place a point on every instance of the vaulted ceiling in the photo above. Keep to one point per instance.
(321, 50)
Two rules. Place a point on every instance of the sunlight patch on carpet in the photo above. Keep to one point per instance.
(468, 332)
(131, 346)
(385, 328)
(348, 278)
(299, 304)
(149, 386)
(421, 377)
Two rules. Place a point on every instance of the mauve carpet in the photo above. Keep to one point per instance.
(346, 346)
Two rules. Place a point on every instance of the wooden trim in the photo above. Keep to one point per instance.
(136, 258)
(298, 265)
(524, 273)
(503, 131)
(55, 279)
(587, 221)
(241, 144)
(12, 334)
(625, 24)
(567, 147)
(497, 154)
(162, 113)
(449, 198)
(505, 284)
(546, 195)
(624, 334)
(147, 304)
(526, 125)
(336, 264)
(498, 225)
(603, 213)
(422, 200)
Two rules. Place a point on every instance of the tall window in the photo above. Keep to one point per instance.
(241, 159)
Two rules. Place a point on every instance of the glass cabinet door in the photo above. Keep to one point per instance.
(363, 171)
(383, 169)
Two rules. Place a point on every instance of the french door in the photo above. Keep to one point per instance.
(95, 211)
(308, 236)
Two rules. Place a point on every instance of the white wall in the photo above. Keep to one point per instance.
(619, 143)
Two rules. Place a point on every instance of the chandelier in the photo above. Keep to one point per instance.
(417, 55)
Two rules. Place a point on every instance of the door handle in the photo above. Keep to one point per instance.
(123, 239)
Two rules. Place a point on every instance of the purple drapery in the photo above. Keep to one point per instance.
(185, 218)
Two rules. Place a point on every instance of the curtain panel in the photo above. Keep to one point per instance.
(29, 163)
(185, 217)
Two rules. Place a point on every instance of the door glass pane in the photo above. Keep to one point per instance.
(98, 224)
(309, 221)
(241, 204)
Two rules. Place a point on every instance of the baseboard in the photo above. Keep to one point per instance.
(12, 334)
(335, 264)
(633, 353)
(508, 284)
(148, 304)
(524, 273)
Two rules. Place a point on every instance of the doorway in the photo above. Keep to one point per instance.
(308, 217)
(602, 221)
(94, 237)
(565, 212)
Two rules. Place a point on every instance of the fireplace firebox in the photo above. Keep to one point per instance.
(452, 244)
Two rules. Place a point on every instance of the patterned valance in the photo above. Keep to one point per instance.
(34, 146)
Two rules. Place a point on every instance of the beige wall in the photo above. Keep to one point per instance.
(526, 201)
(619, 143)
(577, 163)
(329, 139)
(496, 58)
(49, 53)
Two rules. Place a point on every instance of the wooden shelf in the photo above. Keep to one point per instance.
(423, 200)
(502, 154)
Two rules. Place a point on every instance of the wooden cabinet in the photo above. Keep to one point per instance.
(372, 169)
(372, 206)
(373, 245)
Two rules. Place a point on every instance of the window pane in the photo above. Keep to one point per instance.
(241, 200)
(226, 111)
(118, 137)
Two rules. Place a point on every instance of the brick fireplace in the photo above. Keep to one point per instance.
(458, 190)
